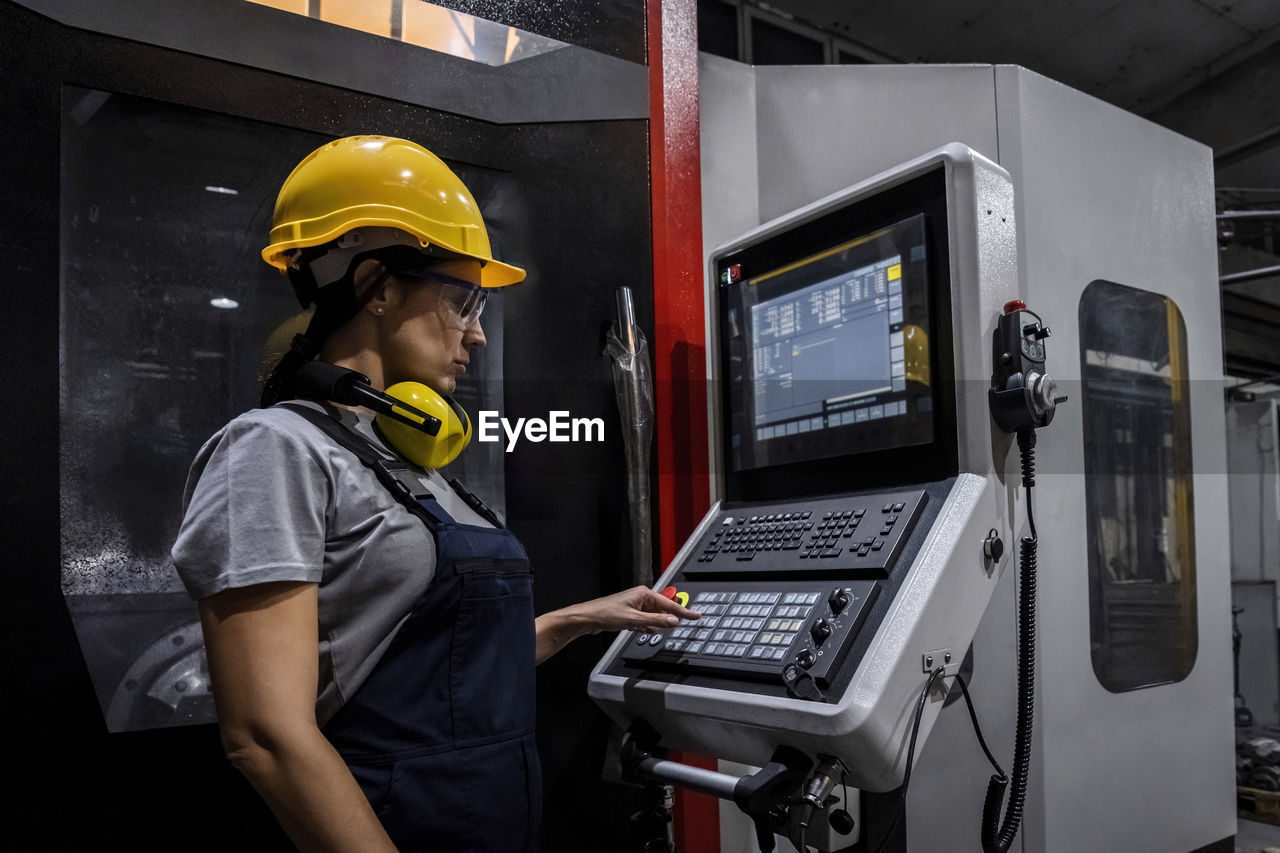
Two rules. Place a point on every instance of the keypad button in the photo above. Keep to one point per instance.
(899, 507)
(893, 519)
(877, 545)
(887, 508)
(885, 531)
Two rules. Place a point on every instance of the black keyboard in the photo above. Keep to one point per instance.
(827, 537)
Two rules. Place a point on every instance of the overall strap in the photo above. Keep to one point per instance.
(367, 454)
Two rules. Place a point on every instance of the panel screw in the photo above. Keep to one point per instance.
(928, 661)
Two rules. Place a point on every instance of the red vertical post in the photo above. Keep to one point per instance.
(679, 339)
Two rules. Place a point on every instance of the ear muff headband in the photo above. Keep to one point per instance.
(425, 427)
(412, 441)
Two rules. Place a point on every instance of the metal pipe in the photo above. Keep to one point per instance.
(1249, 275)
(710, 782)
(626, 318)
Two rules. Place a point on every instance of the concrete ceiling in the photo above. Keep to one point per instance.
(1209, 69)
(1137, 54)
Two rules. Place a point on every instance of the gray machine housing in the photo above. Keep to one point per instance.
(1100, 194)
(949, 582)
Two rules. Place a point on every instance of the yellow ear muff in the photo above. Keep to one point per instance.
(419, 447)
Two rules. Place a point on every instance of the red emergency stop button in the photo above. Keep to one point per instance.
(670, 592)
(1014, 305)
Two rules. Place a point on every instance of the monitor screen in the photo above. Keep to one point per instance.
(830, 346)
(826, 341)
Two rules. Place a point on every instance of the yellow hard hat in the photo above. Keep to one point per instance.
(381, 182)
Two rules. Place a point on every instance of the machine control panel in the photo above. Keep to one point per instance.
(830, 536)
(750, 629)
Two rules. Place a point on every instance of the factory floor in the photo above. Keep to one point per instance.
(1255, 837)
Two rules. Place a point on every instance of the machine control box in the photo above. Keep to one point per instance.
(831, 537)
(754, 630)
(781, 585)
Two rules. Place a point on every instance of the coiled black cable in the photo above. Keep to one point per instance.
(998, 837)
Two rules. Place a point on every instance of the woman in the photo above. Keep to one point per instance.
(371, 645)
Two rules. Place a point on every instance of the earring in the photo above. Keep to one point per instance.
(378, 311)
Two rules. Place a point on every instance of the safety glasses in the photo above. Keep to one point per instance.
(461, 299)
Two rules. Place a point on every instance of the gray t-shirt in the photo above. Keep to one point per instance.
(272, 498)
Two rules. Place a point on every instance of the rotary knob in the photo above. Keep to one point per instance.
(820, 631)
(805, 658)
(839, 600)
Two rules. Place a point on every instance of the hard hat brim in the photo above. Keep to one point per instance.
(493, 273)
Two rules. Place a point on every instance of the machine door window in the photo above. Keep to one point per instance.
(1138, 487)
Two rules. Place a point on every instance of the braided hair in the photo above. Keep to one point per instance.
(335, 304)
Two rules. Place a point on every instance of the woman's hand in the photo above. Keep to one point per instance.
(636, 609)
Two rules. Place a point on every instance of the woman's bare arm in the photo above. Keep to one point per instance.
(263, 662)
(638, 609)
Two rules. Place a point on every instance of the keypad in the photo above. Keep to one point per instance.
(758, 628)
(829, 538)
(757, 625)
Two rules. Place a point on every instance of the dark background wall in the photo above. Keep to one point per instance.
(581, 222)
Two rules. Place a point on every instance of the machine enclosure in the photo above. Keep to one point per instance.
(950, 581)
(1101, 194)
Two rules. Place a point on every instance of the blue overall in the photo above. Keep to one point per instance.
(440, 736)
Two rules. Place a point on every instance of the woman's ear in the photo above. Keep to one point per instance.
(376, 289)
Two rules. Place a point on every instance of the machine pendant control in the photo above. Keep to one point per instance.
(782, 584)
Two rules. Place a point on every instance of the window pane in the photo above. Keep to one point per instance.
(774, 45)
(167, 319)
(1138, 487)
(718, 28)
